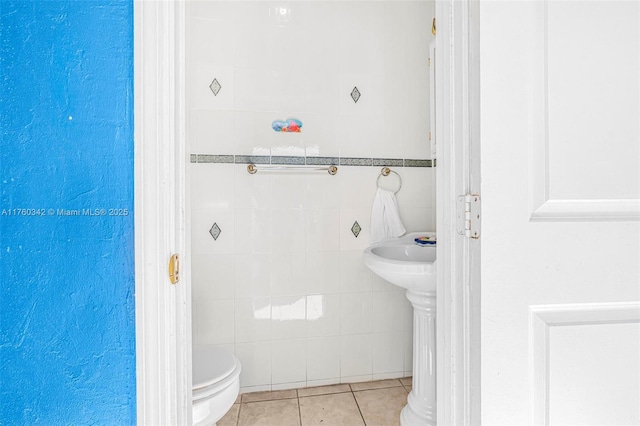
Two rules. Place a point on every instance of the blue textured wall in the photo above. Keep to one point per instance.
(67, 332)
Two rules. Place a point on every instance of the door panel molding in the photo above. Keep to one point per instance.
(587, 210)
(542, 206)
(542, 318)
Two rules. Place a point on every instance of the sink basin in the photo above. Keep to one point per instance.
(411, 266)
(403, 262)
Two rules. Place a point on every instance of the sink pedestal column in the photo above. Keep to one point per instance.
(421, 403)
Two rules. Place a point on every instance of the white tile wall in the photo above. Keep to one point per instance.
(323, 359)
(289, 361)
(387, 359)
(255, 358)
(265, 282)
(323, 315)
(271, 70)
(356, 355)
(284, 286)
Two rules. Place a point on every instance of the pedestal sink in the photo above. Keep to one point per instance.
(411, 266)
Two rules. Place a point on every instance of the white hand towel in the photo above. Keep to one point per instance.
(385, 217)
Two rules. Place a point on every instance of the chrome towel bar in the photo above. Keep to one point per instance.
(253, 168)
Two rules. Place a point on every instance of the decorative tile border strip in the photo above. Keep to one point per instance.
(389, 162)
(356, 161)
(203, 158)
(297, 161)
(417, 163)
(310, 161)
(323, 161)
(253, 159)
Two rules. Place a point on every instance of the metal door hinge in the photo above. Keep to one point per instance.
(469, 215)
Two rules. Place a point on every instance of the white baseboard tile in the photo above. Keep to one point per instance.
(287, 386)
(260, 388)
(385, 376)
(323, 382)
(356, 379)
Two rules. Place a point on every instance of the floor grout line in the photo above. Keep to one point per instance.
(358, 405)
(239, 410)
(299, 411)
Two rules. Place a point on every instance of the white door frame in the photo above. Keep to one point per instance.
(163, 311)
(457, 173)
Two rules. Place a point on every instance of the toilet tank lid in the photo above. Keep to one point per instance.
(211, 365)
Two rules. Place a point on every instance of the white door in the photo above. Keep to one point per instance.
(560, 151)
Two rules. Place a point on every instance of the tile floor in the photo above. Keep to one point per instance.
(363, 404)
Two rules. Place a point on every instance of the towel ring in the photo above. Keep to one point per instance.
(393, 184)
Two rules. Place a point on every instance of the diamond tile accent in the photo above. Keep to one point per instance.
(355, 94)
(356, 228)
(215, 231)
(215, 87)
